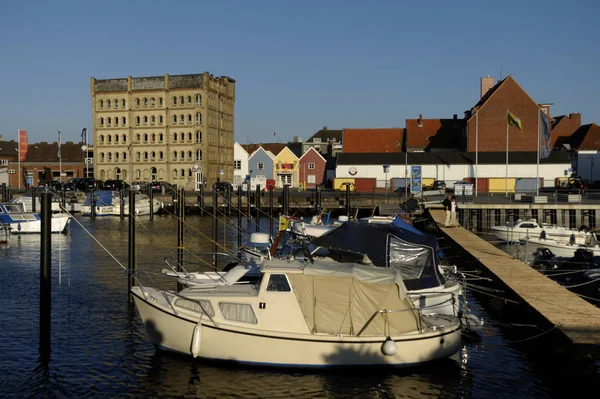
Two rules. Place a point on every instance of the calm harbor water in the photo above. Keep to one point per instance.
(100, 348)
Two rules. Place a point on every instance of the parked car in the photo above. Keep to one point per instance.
(222, 186)
(439, 185)
(93, 184)
(77, 184)
(160, 185)
(115, 185)
(140, 185)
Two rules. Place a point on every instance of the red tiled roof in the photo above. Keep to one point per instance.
(372, 140)
(275, 148)
(437, 133)
(587, 138)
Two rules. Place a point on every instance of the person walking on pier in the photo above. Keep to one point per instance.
(447, 202)
(453, 211)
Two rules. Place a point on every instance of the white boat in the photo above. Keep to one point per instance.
(22, 222)
(562, 248)
(300, 315)
(316, 227)
(523, 229)
(108, 203)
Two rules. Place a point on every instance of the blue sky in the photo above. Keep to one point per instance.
(299, 65)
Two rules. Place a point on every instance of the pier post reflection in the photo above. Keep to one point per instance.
(45, 277)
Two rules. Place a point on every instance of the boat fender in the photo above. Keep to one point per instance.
(196, 340)
(389, 347)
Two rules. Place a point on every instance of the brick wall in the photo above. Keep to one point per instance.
(492, 121)
(372, 140)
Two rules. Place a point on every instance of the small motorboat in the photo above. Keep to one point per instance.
(563, 248)
(300, 314)
(22, 222)
(524, 229)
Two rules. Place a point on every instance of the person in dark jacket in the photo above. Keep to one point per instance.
(447, 202)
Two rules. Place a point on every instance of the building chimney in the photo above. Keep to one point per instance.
(486, 84)
(454, 116)
(324, 127)
(467, 114)
(420, 121)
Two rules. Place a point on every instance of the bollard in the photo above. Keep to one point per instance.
(151, 198)
(131, 264)
(92, 204)
(286, 200)
(215, 228)
(228, 194)
(271, 211)
(45, 276)
(201, 200)
(3, 192)
(239, 209)
(249, 203)
(318, 200)
(33, 201)
(348, 210)
(174, 200)
(122, 203)
(257, 206)
(180, 220)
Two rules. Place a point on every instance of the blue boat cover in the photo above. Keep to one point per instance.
(103, 198)
(387, 245)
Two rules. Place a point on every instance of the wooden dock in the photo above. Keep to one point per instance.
(576, 318)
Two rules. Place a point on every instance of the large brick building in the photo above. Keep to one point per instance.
(176, 128)
(488, 118)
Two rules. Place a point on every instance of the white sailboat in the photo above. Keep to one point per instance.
(524, 229)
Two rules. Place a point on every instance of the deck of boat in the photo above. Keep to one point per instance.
(578, 320)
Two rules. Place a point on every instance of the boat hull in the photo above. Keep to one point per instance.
(58, 225)
(504, 233)
(232, 343)
(559, 248)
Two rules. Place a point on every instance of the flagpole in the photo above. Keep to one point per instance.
(19, 159)
(537, 172)
(59, 159)
(476, 150)
(87, 155)
(507, 126)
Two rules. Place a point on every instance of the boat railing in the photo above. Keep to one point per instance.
(174, 294)
(386, 312)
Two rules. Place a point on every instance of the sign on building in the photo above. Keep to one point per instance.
(415, 179)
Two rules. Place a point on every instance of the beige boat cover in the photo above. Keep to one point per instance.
(339, 298)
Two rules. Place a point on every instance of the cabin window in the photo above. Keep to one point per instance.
(241, 312)
(200, 306)
(528, 226)
(278, 283)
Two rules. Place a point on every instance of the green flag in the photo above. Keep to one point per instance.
(514, 121)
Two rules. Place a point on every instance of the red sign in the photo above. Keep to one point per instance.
(23, 144)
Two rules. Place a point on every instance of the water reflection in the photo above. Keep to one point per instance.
(100, 347)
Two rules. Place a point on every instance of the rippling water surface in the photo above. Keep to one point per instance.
(100, 349)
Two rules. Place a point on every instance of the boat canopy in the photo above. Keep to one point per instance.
(341, 298)
(387, 245)
(103, 198)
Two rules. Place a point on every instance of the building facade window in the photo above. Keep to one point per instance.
(160, 120)
(198, 136)
(174, 119)
(174, 137)
(101, 121)
(124, 139)
(174, 155)
(189, 155)
(116, 103)
(198, 118)
(160, 137)
(189, 100)
(189, 118)
(101, 139)
(108, 103)
(145, 102)
(174, 173)
(145, 137)
(311, 165)
(152, 120)
(109, 121)
(137, 102)
(123, 103)
(198, 155)
(152, 102)
(160, 101)
(260, 166)
(101, 103)
(181, 100)
(138, 156)
(237, 164)
(123, 121)
(145, 120)
(182, 137)
(190, 137)
(174, 100)
(137, 120)
(198, 100)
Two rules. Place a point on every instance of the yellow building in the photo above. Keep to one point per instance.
(176, 128)
(285, 168)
